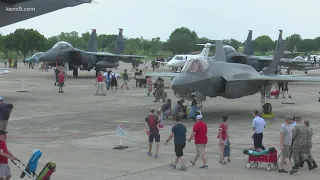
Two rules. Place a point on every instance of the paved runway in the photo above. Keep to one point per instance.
(76, 129)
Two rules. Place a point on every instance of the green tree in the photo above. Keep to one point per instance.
(25, 40)
(293, 42)
(263, 43)
(317, 40)
(307, 45)
(182, 40)
(132, 45)
(85, 37)
(107, 42)
(3, 46)
(145, 45)
(155, 45)
(235, 44)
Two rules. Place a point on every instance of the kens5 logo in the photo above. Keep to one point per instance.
(15, 9)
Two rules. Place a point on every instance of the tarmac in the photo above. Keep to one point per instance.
(76, 129)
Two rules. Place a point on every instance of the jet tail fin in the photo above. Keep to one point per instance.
(220, 55)
(205, 51)
(273, 66)
(92, 43)
(279, 39)
(248, 48)
(119, 47)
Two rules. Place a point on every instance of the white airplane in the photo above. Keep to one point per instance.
(178, 61)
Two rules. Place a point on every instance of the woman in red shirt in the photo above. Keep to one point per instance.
(99, 83)
(222, 137)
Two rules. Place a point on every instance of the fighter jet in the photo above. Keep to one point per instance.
(19, 10)
(178, 61)
(34, 58)
(74, 58)
(261, 62)
(213, 78)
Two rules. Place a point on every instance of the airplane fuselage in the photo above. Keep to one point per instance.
(212, 84)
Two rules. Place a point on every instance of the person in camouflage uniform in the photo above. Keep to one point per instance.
(299, 139)
(159, 90)
(309, 146)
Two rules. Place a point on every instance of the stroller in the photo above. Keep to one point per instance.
(31, 167)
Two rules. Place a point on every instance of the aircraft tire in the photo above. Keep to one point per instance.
(305, 72)
(75, 73)
(267, 108)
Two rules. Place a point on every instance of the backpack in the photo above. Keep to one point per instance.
(113, 77)
(7, 111)
(47, 171)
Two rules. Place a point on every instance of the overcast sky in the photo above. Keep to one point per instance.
(215, 19)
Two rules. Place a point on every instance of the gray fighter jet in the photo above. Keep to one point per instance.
(34, 58)
(13, 11)
(261, 62)
(212, 78)
(63, 53)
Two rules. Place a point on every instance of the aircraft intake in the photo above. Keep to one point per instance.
(238, 59)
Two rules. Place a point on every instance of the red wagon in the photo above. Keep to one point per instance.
(271, 159)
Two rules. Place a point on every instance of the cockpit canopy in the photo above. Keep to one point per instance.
(228, 49)
(38, 54)
(195, 65)
(177, 58)
(62, 45)
(298, 58)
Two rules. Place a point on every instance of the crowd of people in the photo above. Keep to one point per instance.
(295, 139)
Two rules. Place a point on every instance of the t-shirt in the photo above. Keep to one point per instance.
(258, 123)
(179, 131)
(165, 107)
(224, 128)
(3, 146)
(61, 77)
(177, 109)
(3, 107)
(286, 129)
(200, 129)
(125, 76)
(99, 78)
(153, 121)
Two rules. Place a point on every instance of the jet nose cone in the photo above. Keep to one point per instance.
(180, 84)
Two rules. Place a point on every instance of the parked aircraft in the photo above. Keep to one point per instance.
(261, 62)
(34, 58)
(178, 61)
(213, 78)
(74, 58)
(19, 10)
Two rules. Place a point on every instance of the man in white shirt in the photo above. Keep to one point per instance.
(258, 125)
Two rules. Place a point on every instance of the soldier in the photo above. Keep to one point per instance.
(161, 90)
(299, 138)
(157, 89)
(309, 146)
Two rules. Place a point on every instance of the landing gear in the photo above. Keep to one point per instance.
(305, 72)
(75, 73)
(266, 107)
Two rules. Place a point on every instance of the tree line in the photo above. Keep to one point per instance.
(181, 41)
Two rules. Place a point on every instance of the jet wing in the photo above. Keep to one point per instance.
(106, 54)
(162, 74)
(274, 78)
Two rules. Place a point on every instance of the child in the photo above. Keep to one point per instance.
(160, 125)
(227, 150)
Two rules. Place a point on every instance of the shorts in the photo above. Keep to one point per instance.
(286, 151)
(178, 148)
(125, 81)
(152, 137)
(5, 170)
(200, 148)
(61, 84)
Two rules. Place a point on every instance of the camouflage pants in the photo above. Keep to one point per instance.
(159, 94)
(299, 152)
(309, 155)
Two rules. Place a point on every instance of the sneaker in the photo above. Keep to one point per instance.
(222, 162)
(204, 167)
(229, 160)
(282, 171)
(172, 166)
(182, 169)
(293, 171)
(192, 163)
(149, 154)
(156, 156)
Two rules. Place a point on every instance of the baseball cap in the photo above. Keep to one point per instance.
(2, 132)
(199, 117)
